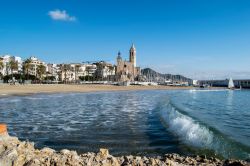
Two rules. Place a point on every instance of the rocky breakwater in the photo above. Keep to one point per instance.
(21, 153)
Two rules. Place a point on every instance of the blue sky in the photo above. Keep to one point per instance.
(197, 38)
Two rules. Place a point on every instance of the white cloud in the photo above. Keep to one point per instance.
(61, 15)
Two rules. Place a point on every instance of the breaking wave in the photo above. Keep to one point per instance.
(195, 134)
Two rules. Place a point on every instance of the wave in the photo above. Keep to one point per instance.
(35, 98)
(10, 100)
(195, 134)
(207, 90)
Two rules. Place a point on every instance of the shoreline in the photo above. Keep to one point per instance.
(19, 153)
(23, 90)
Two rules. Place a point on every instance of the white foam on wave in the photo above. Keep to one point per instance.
(10, 100)
(206, 90)
(55, 95)
(187, 129)
(197, 135)
(35, 98)
(68, 128)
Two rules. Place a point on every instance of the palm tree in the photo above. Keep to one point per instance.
(1, 64)
(13, 65)
(1, 67)
(65, 68)
(41, 70)
(27, 66)
(77, 69)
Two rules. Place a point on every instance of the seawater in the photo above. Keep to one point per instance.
(189, 122)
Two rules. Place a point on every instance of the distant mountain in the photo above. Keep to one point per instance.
(151, 75)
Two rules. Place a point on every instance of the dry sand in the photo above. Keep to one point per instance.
(62, 88)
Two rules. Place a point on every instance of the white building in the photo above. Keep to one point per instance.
(34, 63)
(67, 73)
(72, 72)
(104, 70)
(6, 59)
(19, 63)
(53, 70)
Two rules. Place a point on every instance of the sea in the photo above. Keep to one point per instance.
(151, 122)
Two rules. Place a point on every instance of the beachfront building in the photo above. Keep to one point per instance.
(53, 71)
(72, 72)
(6, 68)
(105, 71)
(34, 63)
(90, 69)
(77, 70)
(98, 71)
(127, 70)
(67, 73)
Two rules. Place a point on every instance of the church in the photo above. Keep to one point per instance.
(127, 70)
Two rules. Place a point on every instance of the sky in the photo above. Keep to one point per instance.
(200, 39)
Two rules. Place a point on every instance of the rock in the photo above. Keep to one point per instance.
(25, 147)
(152, 161)
(198, 158)
(65, 152)
(113, 161)
(104, 153)
(2, 148)
(126, 160)
(17, 153)
(234, 163)
(47, 151)
(90, 161)
(203, 156)
(8, 157)
(33, 162)
(21, 160)
(188, 160)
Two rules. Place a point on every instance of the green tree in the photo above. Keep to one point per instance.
(13, 65)
(65, 68)
(41, 70)
(1, 67)
(50, 78)
(77, 69)
(1, 64)
(26, 67)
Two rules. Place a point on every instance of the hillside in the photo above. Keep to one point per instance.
(151, 75)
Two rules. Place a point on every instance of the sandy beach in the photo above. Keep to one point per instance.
(62, 88)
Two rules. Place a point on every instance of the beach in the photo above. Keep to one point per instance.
(66, 88)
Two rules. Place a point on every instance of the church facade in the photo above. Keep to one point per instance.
(127, 70)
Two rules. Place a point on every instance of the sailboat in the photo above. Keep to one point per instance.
(231, 84)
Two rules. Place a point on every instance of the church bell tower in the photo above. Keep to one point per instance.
(119, 58)
(132, 55)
